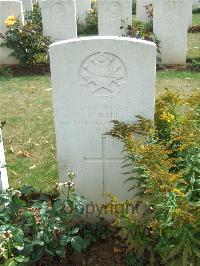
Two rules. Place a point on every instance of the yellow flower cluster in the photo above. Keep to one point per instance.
(90, 11)
(167, 117)
(153, 225)
(10, 21)
(183, 216)
(178, 192)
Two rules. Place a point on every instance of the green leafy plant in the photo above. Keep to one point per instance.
(194, 65)
(27, 42)
(143, 31)
(33, 226)
(163, 167)
(196, 10)
(6, 71)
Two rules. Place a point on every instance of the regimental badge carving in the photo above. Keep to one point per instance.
(102, 74)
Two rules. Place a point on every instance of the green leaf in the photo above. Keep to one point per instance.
(77, 243)
(21, 259)
(11, 262)
(37, 253)
(60, 251)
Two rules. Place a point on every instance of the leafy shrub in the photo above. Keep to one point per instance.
(6, 71)
(27, 42)
(163, 165)
(91, 23)
(196, 10)
(194, 65)
(33, 226)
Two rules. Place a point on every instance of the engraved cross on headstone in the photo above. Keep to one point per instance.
(103, 159)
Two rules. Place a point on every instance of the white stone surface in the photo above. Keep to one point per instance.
(3, 172)
(27, 5)
(190, 3)
(141, 12)
(59, 19)
(111, 13)
(81, 7)
(170, 24)
(96, 80)
(9, 8)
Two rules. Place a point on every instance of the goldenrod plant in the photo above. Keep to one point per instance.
(163, 168)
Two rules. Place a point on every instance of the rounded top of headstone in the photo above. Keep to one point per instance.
(100, 38)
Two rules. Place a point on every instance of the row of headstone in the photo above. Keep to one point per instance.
(3, 171)
(170, 22)
(111, 14)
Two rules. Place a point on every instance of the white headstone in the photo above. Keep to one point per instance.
(3, 172)
(170, 24)
(81, 7)
(112, 14)
(141, 10)
(96, 80)
(9, 8)
(27, 5)
(59, 19)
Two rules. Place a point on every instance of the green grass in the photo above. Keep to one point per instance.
(196, 19)
(181, 80)
(29, 132)
(193, 45)
(29, 138)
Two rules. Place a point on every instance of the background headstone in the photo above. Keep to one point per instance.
(59, 19)
(96, 80)
(27, 5)
(9, 8)
(81, 7)
(170, 24)
(3, 172)
(111, 14)
(141, 12)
